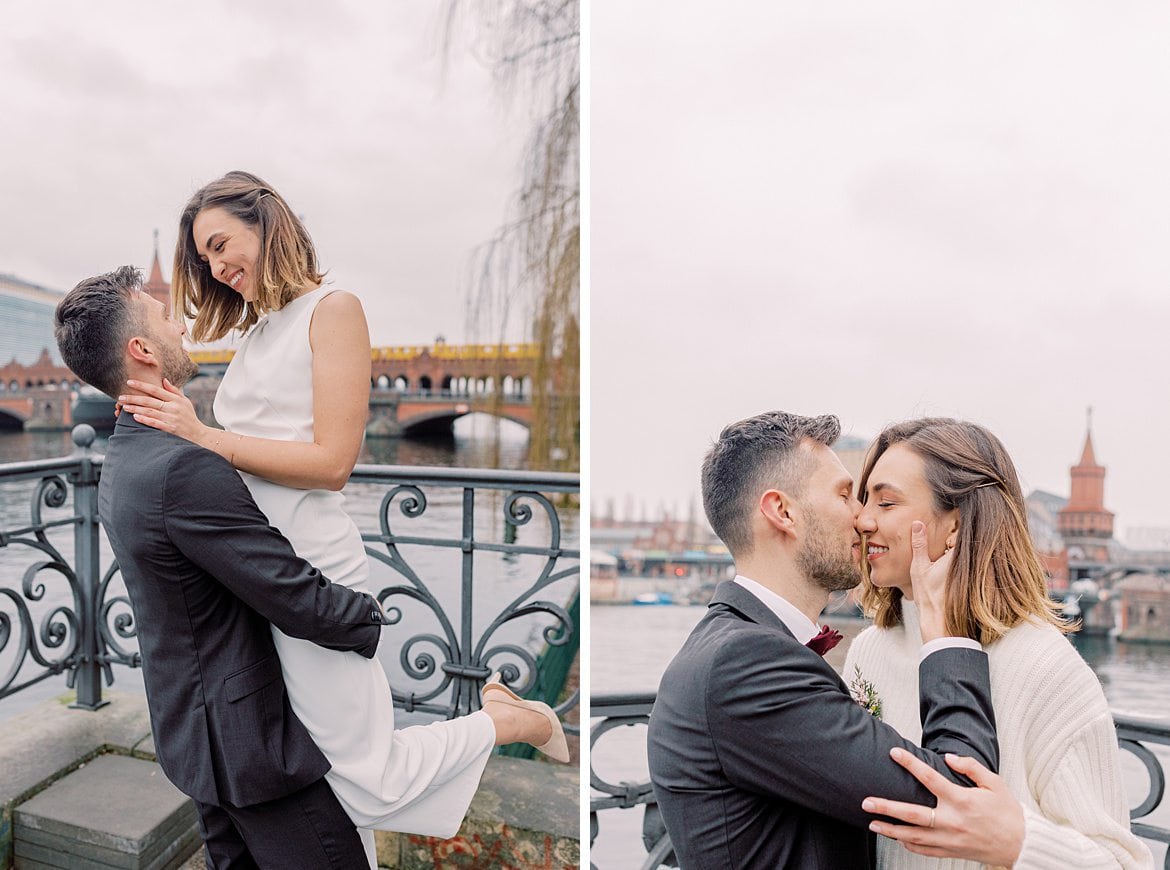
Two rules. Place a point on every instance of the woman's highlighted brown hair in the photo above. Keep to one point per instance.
(286, 265)
(996, 579)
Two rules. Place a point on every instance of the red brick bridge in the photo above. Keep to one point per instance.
(414, 389)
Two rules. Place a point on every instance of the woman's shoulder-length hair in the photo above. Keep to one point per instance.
(996, 579)
(286, 264)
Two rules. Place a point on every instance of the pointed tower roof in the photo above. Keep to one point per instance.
(156, 268)
(1088, 459)
(155, 285)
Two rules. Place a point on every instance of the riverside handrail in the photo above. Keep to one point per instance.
(611, 711)
(85, 631)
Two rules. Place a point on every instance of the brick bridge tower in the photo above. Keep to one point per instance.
(1084, 523)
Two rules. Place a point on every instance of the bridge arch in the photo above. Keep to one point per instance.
(440, 421)
(11, 421)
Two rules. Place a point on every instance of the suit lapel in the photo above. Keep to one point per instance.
(731, 596)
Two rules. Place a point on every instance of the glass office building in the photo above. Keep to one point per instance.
(26, 321)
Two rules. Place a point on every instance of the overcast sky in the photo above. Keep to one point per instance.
(882, 211)
(114, 113)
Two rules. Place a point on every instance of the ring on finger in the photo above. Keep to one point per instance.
(932, 817)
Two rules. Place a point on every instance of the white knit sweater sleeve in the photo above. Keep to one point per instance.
(1073, 772)
(1083, 821)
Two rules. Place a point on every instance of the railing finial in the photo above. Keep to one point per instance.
(83, 437)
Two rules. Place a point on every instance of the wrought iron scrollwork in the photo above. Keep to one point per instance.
(447, 662)
(52, 645)
(452, 649)
(1133, 735)
(116, 623)
(611, 712)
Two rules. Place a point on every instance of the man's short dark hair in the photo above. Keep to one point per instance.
(94, 322)
(752, 456)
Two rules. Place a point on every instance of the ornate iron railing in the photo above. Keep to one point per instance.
(608, 712)
(467, 657)
(1133, 735)
(87, 624)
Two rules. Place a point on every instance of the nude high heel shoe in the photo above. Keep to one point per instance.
(555, 747)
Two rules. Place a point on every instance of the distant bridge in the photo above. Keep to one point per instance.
(424, 389)
(414, 389)
(440, 369)
(43, 408)
(417, 414)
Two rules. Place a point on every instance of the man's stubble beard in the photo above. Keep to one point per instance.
(823, 563)
(178, 367)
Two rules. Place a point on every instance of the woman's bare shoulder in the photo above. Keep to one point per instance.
(339, 321)
(340, 303)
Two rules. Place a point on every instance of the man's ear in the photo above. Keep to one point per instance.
(140, 350)
(775, 507)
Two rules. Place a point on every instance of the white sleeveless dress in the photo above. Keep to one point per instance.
(416, 780)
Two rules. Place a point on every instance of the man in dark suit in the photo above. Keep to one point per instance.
(207, 574)
(759, 756)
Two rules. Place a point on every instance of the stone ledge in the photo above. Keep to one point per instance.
(113, 812)
(43, 744)
(526, 813)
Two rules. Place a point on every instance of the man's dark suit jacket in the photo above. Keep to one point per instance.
(206, 574)
(761, 759)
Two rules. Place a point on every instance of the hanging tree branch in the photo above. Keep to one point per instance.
(530, 267)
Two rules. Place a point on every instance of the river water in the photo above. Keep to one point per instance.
(631, 646)
(498, 578)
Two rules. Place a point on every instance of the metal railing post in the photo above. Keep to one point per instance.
(87, 675)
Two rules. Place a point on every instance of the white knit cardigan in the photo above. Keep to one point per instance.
(1058, 746)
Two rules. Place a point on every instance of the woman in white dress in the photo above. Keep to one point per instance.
(293, 403)
(1058, 747)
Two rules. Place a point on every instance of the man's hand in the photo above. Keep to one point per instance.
(984, 824)
(929, 580)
